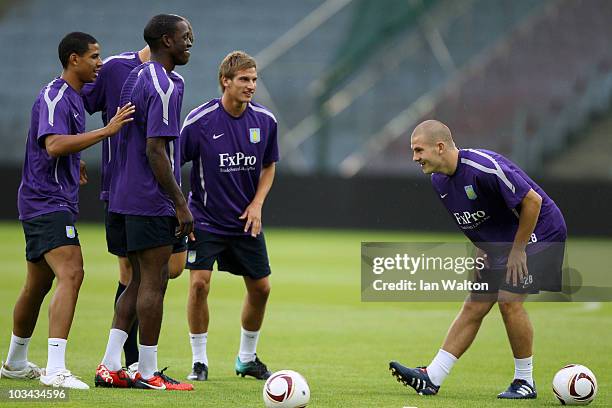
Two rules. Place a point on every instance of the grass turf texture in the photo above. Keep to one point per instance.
(315, 324)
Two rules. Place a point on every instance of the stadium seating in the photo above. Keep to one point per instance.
(515, 76)
(404, 69)
(34, 29)
(541, 85)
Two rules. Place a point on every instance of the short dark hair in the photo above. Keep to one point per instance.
(75, 42)
(158, 26)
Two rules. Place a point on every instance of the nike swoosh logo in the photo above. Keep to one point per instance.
(218, 136)
(21, 344)
(161, 387)
(54, 345)
(76, 114)
(443, 195)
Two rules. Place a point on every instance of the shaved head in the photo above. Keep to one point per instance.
(433, 131)
(433, 148)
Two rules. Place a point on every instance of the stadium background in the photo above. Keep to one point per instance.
(347, 81)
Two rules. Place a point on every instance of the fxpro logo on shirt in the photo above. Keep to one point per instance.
(236, 162)
(470, 220)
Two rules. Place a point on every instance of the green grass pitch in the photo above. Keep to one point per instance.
(315, 324)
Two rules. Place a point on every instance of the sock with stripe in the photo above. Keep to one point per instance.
(523, 369)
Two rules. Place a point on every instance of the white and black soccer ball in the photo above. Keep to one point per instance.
(286, 389)
(575, 384)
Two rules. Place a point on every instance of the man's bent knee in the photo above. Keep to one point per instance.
(71, 276)
(261, 289)
(38, 290)
(476, 310)
(510, 307)
(200, 282)
(176, 265)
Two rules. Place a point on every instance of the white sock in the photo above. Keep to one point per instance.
(147, 361)
(440, 367)
(112, 356)
(523, 369)
(17, 358)
(56, 357)
(198, 347)
(248, 345)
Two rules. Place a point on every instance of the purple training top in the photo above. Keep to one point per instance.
(103, 96)
(158, 96)
(51, 184)
(483, 197)
(227, 154)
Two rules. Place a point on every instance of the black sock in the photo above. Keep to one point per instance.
(120, 288)
(130, 347)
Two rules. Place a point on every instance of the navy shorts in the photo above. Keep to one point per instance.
(49, 231)
(127, 233)
(238, 254)
(545, 273)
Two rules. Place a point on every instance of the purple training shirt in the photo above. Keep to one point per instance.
(51, 184)
(103, 96)
(157, 96)
(228, 154)
(483, 197)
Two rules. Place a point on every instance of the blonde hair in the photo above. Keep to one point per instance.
(233, 62)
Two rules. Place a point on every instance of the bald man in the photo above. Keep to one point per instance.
(515, 226)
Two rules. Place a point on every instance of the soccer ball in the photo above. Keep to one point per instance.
(286, 389)
(575, 384)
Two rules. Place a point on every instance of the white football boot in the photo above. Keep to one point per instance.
(63, 379)
(30, 372)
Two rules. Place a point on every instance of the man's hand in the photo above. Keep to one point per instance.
(122, 117)
(252, 215)
(185, 220)
(516, 267)
(481, 254)
(82, 173)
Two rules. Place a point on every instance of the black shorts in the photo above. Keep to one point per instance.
(545, 273)
(47, 232)
(238, 254)
(127, 233)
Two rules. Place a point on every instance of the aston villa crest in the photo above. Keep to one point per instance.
(254, 135)
(469, 191)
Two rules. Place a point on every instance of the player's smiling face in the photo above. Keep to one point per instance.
(242, 87)
(88, 64)
(426, 154)
(181, 42)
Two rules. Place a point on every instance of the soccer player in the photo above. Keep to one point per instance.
(146, 204)
(48, 206)
(103, 96)
(515, 226)
(231, 142)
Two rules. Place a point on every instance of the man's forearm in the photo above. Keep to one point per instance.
(62, 145)
(265, 183)
(162, 170)
(530, 210)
